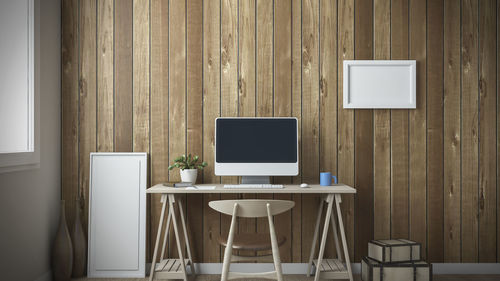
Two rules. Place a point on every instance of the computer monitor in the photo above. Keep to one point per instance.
(256, 148)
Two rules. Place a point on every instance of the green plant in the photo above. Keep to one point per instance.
(187, 162)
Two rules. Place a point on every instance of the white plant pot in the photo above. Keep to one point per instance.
(189, 175)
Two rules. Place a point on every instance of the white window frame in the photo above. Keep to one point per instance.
(31, 158)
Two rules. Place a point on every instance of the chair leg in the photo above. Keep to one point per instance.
(315, 237)
(274, 246)
(229, 246)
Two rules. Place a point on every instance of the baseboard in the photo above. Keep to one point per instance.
(47, 276)
(301, 268)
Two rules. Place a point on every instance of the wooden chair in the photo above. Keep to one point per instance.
(255, 242)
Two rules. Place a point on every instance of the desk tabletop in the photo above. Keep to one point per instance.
(219, 188)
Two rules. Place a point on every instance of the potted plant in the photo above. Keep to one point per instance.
(188, 166)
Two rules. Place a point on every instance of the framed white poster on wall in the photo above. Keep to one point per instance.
(117, 215)
(380, 84)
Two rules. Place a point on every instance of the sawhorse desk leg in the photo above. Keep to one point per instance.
(330, 199)
(181, 273)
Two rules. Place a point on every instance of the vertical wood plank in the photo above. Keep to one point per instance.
(264, 50)
(141, 84)
(498, 130)
(418, 131)
(69, 97)
(382, 129)
(346, 119)
(265, 94)
(123, 75)
(247, 82)
(229, 67)
(399, 128)
(229, 83)
(195, 118)
(297, 112)
(487, 139)
(328, 94)
(283, 105)
(363, 136)
(247, 39)
(452, 141)
(470, 128)
(211, 110)
(159, 106)
(87, 105)
(310, 116)
(105, 76)
(176, 93)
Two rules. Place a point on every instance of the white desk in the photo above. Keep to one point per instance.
(339, 268)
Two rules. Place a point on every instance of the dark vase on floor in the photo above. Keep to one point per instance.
(62, 253)
(79, 244)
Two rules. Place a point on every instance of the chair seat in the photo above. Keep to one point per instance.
(252, 241)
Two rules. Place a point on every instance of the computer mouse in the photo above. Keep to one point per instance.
(304, 185)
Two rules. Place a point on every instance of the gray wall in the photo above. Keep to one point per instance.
(29, 200)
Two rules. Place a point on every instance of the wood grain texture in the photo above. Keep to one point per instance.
(282, 42)
(194, 139)
(346, 119)
(159, 105)
(399, 128)
(264, 78)
(487, 140)
(328, 95)
(141, 91)
(211, 110)
(297, 112)
(105, 76)
(363, 136)
(87, 100)
(469, 130)
(452, 133)
(498, 135)
(382, 129)
(229, 84)
(422, 138)
(310, 114)
(176, 94)
(247, 83)
(430, 174)
(69, 110)
(123, 75)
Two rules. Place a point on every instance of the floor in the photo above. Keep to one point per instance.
(303, 278)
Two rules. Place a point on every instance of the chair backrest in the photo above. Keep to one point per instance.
(251, 208)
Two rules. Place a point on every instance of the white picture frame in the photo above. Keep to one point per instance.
(379, 84)
(117, 215)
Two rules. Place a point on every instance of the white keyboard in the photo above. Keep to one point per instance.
(253, 186)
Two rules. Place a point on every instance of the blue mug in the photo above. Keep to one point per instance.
(326, 179)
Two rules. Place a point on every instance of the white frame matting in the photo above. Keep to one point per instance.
(117, 215)
(379, 84)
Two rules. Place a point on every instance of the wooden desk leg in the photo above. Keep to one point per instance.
(329, 201)
(315, 237)
(336, 237)
(165, 236)
(186, 238)
(160, 224)
(338, 200)
(177, 238)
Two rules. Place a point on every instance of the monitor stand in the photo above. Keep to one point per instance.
(255, 180)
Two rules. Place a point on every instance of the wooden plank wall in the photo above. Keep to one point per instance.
(151, 75)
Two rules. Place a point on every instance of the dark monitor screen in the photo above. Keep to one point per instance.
(255, 140)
